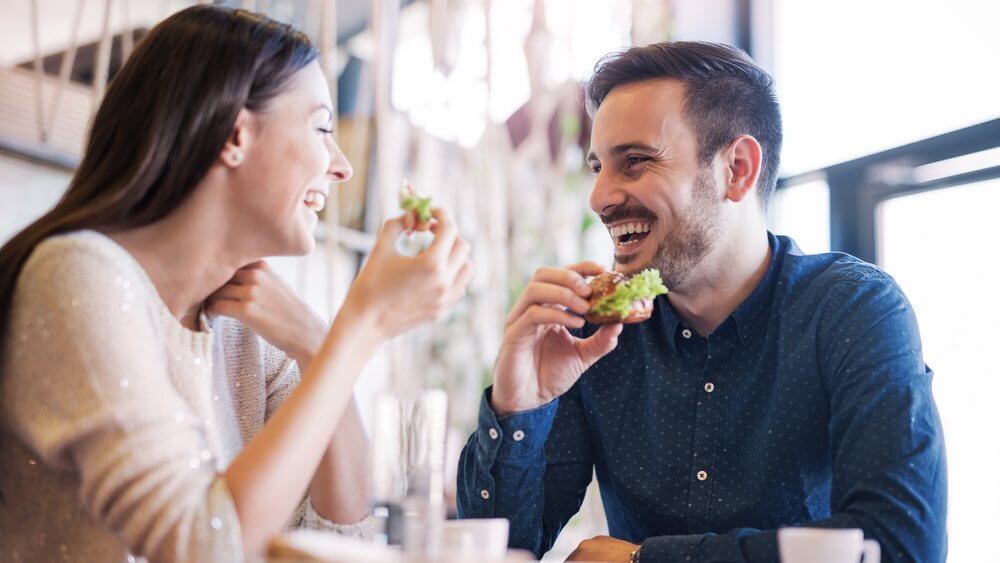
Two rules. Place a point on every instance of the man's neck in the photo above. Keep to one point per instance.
(724, 280)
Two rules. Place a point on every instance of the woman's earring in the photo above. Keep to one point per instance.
(238, 157)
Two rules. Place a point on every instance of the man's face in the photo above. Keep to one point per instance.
(662, 209)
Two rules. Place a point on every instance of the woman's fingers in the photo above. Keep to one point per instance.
(389, 233)
(445, 234)
(461, 283)
(233, 292)
(459, 255)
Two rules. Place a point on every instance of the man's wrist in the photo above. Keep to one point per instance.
(502, 409)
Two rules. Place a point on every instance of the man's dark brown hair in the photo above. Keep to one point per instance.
(726, 95)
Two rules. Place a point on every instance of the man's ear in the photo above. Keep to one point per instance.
(743, 159)
(235, 150)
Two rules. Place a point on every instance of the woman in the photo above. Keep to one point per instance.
(147, 350)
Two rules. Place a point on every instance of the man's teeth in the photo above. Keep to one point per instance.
(629, 228)
(315, 201)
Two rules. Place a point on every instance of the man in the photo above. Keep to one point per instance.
(769, 389)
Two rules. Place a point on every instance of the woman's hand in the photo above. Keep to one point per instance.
(262, 301)
(399, 292)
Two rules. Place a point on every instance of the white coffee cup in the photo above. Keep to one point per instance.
(483, 538)
(826, 545)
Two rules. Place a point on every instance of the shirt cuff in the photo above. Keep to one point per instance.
(518, 435)
(664, 549)
(313, 520)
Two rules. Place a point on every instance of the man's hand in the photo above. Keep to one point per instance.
(262, 301)
(603, 548)
(539, 359)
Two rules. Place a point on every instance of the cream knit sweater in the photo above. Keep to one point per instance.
(118, 422)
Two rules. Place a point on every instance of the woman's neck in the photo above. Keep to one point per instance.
(185, 256)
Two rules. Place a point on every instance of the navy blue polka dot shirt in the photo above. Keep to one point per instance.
(810, 405)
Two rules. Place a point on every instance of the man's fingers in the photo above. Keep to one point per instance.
(537, 315)
(564, 277)
(538, 293)
(587, 268)
(599, 344)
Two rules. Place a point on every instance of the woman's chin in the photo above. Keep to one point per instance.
(305, 244)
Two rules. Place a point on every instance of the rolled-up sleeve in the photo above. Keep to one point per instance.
(509, 469)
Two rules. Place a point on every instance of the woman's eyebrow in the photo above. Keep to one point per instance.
(329, 111)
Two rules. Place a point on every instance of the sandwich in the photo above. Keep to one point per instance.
(418, 215)
(616, 298)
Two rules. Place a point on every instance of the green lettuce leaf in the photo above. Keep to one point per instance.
(647, 284)
(422, 205)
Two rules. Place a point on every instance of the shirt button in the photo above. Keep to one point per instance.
(485, 494)
(702, 475)
(709, 387)
(686, 333)
(518, 435)
(494, 434)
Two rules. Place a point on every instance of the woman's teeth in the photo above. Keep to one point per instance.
(625, 233)
(315, 201)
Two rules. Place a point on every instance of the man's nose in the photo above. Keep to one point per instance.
(605, 196)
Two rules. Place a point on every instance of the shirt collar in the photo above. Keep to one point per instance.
(669, 322)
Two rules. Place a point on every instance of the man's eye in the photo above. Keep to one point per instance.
(595, 168)
(325, 131)
(633, 160)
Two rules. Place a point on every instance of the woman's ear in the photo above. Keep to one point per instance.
(744, 158)
(235, 150)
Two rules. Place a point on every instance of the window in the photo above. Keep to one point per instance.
(941, 248)
(802, 211)
(855, 77)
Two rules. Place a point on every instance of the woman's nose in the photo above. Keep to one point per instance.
(340, 168)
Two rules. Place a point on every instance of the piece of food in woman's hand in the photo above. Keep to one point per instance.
(418, 209)
(616, 298)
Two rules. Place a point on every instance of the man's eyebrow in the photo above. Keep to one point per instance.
(624, 148)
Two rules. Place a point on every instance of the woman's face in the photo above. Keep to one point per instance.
(289, 166)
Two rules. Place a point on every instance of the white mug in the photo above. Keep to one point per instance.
(480, 539)
(826, 545)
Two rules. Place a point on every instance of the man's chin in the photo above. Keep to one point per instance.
(631, 263)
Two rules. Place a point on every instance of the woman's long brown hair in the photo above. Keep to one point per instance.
(165, 118)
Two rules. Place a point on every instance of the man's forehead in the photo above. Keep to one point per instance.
(649, 112)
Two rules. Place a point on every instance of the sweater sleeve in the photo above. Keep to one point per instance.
(86, 385)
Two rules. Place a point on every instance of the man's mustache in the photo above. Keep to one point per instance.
(633, 212)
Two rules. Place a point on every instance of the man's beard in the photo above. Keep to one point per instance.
(693, 236)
